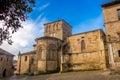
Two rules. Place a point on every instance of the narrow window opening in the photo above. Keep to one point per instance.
(7, 59)
(83, 45)
(25, 58)
(32, 61)
(1, 59)
(119, 53)
(118, 13)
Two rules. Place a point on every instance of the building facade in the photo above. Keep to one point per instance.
(85, 51)
(111, 12)
(6, 63)
(59, 49)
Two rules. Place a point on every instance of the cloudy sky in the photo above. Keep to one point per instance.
(82, 15)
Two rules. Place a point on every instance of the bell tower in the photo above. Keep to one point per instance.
(59, 29)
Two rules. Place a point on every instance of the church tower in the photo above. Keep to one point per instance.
(58, 29)
(111, 12)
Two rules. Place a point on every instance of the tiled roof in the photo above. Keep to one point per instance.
(3, 52)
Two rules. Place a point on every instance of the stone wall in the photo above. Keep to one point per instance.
(48, 53)
(112, 25)
(93, 56)
(6, 65)
(28, 65)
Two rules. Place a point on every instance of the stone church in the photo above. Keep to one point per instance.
(59, 49)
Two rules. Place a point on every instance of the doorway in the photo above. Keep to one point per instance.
(4, 73)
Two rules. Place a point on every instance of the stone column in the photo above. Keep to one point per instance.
(46, 63)
(36, 63)
(61, 64)
(111, 57)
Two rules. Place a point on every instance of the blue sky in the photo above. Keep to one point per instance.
(77, 13)
(82, 15)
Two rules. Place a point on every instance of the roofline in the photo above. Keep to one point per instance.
(27, 53)
(6, 52)
(87, 32)
(110, 3)
(46, 37)
(67, 23)
(58, 21)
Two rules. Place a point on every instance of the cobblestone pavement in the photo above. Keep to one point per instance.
(86, 75)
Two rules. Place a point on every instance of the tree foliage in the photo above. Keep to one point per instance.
(12, 13)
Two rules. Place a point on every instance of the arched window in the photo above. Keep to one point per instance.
(40, 52)
(48, 28)
(83, 45)
(53, 27)
(25, 58)
(32, 60)
(57, 26)
(52, 52)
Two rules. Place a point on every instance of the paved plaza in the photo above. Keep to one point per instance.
(82, 75)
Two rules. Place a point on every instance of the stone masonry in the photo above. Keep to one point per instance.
(59, 49)
(6, 63)
(112, 25)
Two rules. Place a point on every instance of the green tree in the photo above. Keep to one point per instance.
(12, 13)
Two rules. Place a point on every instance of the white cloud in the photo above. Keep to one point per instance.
(44, 6)
(25, 37)
(93, 24)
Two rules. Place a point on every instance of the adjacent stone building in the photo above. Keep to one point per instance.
(6, 63)
(111, 12)
(59, 49)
